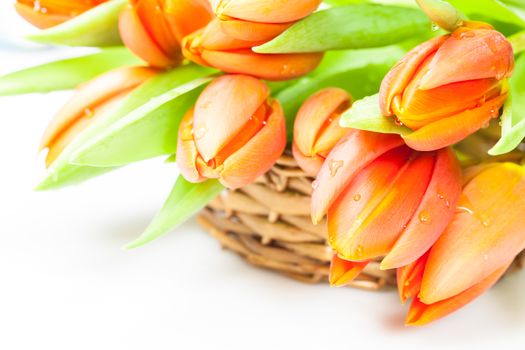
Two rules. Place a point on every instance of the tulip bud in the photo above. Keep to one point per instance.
(260, 20)
(92, 101)
(212, 47)
(235, 133)
(316, 128)
(384, 199)
(48, 13)
(449, 87)
(154, 29)
(476, 248)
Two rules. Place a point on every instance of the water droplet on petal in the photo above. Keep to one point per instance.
(335, 165)
(315, 184)
(424, 216)
(485, 220)
(464, 209)
(398, 122)
(88, 112)
(200, 132)
(434, 27)
(357, 197)
(359, 251)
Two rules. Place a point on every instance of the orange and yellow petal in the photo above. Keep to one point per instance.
(354, 151)
(486, 233)
(400, 75)
(409, 278)
(266, 66)
(389, 191)
(421, 314)
(259, 154)
(265, 11)
(447, 131)
(470, 54)
(342, 272)
(433, 214)
(223, 109)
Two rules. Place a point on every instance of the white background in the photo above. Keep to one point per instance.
(65, 282)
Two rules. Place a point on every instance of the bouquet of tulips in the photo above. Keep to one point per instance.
(408, 114)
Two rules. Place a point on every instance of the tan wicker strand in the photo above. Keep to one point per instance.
(268, 224)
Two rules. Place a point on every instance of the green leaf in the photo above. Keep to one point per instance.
(63, 173)
(349, 27)
(365, 114)
(518, 42)
(66, 74)
(359, 72)
(95, 27)
(489, 9)
(406, 3)
(150, 120)
(513, 117)
(185, 200)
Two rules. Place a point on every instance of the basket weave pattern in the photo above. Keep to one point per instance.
(268, 223)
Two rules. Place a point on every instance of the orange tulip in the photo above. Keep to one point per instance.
(384, 199)
(316, 128)
(235, 133)
(48, 13)
(477, 247)
(449, 87)
(92, 101)
(212, 47)
(154, 29)
(256, 20)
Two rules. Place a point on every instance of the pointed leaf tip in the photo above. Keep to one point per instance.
(95, 27)
(366, 114)
(185, 200)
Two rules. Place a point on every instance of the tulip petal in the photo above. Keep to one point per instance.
(265, 66)
(400, 75)
(342, 272)
(484, 235)
(252, 31)
(259, 154)
(40, 19)
(354, 152)
(269, 11)
(62, 140)
(409, 278)
(223, 109)
(213, 37)
(187, 153)
(309, 164)
(438, 206)
(475, 54)
(153, 18)
(420, 313)
(447, 131)
(420, 107)
(367, 219)
(313, 118)
(186, 16)
(138, 40)
(93, 93)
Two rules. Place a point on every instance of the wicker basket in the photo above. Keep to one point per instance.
(268, 224)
